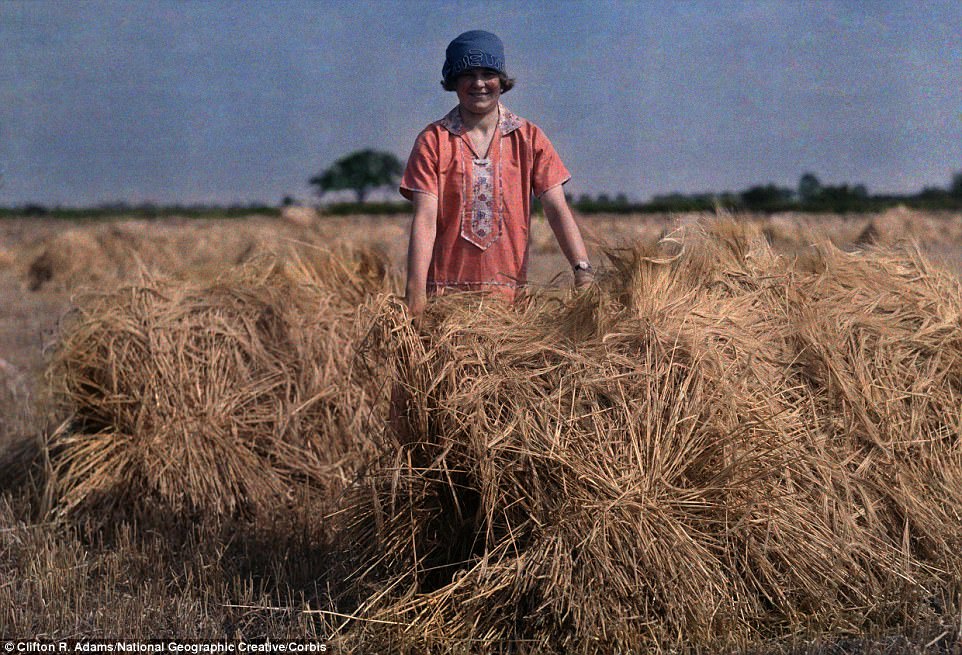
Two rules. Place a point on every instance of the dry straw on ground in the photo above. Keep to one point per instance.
(715, 446)
(215, 399)
(790, 232)
(300, 215)
(16, 443)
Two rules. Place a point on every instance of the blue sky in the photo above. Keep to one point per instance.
(236, 102)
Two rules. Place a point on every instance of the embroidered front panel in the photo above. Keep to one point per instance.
(482, 214)
(482, 210)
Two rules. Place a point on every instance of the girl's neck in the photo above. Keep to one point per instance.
(481, 122)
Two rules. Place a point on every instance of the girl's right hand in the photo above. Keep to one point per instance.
(416, 303)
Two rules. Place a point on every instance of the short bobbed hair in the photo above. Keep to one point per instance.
(507, 83)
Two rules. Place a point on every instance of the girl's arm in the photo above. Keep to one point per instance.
(424, 227)
(566, 231)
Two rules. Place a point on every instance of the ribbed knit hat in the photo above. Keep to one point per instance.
(474, 49)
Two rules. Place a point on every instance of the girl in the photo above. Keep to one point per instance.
(471, 176)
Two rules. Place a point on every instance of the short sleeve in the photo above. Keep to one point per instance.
(421, 172)
(548, 171)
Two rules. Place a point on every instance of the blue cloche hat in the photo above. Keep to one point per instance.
(474, 49)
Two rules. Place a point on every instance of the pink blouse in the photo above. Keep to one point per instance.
(484, 203)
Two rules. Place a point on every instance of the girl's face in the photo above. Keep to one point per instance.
(479, 90)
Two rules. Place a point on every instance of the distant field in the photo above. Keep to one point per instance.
(101, 537)
(51, 259)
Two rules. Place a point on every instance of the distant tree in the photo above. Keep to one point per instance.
(34, 210)
(808, 187)
(933, 193)
(680, 202)
(287, 201)
(766, 198)
(360, 172)
(726, 200)
(843, 198)
(956, 188)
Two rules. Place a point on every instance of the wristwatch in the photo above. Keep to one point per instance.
(582, 266)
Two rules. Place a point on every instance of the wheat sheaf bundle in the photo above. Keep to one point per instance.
(714, 446)
(215, 399)
(107, 255)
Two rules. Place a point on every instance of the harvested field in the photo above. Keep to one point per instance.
(108, 254)
(747, 435)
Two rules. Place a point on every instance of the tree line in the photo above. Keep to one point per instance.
(810, 195)
(366, 170)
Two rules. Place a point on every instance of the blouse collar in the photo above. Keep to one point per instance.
(508, 121)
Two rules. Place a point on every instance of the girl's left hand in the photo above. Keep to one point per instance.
(584, 278)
